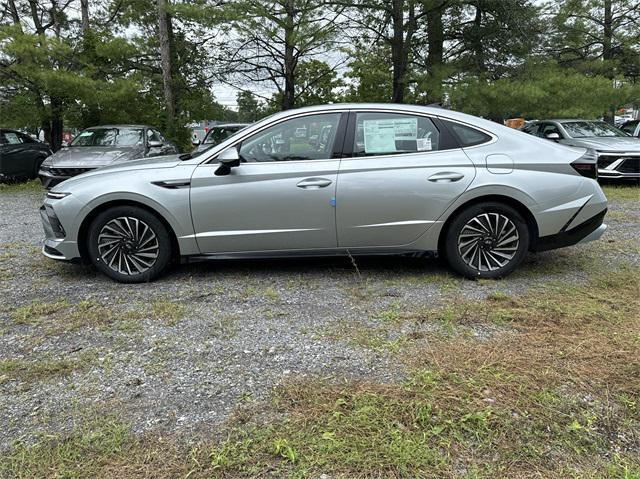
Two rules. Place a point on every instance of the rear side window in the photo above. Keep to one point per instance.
(468, 136)
(393, 134)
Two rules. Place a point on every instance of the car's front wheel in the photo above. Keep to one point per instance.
(129, 244)
(487, 240)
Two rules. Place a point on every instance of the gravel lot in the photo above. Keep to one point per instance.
(181, 353)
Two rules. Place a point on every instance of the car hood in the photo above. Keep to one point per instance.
(606, 144)
(156, 162)
(94, 156)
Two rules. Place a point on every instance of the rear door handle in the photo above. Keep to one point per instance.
(314, 183)
(446, 177)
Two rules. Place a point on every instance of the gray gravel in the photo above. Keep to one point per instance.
(247, 325)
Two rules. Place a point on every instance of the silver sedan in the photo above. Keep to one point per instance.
(357, 179)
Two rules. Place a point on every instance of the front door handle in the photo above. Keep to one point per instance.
(446, 177)
(314, 183)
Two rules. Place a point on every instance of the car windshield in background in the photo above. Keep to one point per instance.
(109, 137)
(589, 129)
(218, 134)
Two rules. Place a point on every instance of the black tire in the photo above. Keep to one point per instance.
(491, 252)
(132, 263)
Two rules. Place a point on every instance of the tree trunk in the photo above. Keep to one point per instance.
(84, 10)
(55, 126)
(435, 53)
(607, 53)
(288, 95)
(13, 11)
(164, 29)
(399, 63)
(478, 49)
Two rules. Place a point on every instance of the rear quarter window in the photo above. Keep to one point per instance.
(468, 136)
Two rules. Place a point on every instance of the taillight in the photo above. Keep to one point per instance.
(587, 164)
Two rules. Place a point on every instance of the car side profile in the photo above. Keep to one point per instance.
(20, 155)
(353, 179)
(618, 152)
(100, 146)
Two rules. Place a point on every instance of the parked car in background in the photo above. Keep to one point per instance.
(632, 127)
(20, 155)
(618, 152)
(218, 134)
(100, 146)
(378, 179)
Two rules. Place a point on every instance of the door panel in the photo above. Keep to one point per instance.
(265, 206)
(282, 194)
(386, 200)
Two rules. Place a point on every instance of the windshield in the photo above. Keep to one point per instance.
(589, 129)
(109, 137)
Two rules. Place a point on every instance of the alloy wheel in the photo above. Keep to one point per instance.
(128, 245)
(488, 241)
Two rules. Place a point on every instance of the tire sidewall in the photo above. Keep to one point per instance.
(451, 241)
(164, 243)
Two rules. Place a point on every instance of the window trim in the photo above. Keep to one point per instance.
(336, 153)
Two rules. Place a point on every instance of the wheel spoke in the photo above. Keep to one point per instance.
(128, 245)
(488, 242)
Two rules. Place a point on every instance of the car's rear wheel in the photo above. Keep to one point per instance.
(487, 240)
(129, 244)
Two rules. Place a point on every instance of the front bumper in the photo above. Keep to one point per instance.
(54, 246)
(50, 177)
(590, 230)
(618, 166)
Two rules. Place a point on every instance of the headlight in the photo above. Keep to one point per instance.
(47, 163)
(54, 195)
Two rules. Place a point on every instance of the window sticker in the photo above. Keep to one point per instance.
(380, 136)
(424, 144)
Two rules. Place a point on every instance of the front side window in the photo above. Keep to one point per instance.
(218, 134)
(306, 138)
(548, 128)
(629, 127)
(589, 129)
(393, 134)
(109, 137)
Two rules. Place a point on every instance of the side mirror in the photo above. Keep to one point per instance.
(155, 144)
(228, 159)
(552, 136)
(195, 142)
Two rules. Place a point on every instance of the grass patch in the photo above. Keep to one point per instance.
(556, 393)
(167, 311)
(39, 370)
(33, 186)
(621, 193)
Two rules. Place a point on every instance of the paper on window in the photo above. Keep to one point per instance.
(380, 135)
(424, 144)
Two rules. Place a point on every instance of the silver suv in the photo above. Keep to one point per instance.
(618, 152)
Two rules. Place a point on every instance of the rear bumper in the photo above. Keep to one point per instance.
(590, 230)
